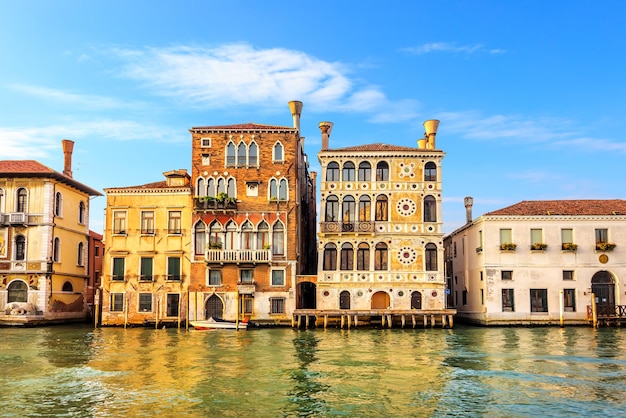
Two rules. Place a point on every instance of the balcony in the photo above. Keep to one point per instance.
(16, 218)
(209, 203)
(332, 227)
(246, 288)
(238, 256)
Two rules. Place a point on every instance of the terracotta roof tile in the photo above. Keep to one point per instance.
(375, 147)
(244, 127)
(23, 167)
(563, 207)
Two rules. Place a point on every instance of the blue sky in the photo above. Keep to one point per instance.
(531, 94)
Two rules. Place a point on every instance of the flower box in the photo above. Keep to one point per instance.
(605, 246)
(508, 246)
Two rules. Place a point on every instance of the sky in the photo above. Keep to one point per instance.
(531, 95)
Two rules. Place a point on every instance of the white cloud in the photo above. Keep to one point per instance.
(451, 47)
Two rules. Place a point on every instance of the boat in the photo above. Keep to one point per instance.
(218, 323)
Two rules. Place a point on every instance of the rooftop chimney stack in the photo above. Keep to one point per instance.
(326, 128)
(430, 127)
(296, 110)
(469, 202)
(68, 148)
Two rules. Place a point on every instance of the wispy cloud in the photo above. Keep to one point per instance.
(452, 48)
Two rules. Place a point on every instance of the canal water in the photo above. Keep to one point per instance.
(497, 372)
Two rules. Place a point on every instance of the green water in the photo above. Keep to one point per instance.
(501, 372)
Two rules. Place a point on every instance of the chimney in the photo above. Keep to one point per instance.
(430, 127)
(326, 128)
(468, 208)
(296, 110)
(68, 148)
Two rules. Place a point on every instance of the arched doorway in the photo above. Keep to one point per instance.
(416, 300)
(213, 308)
(603, 288)
(380, 300)
(306, 296)
(18, 291)
(344, 300)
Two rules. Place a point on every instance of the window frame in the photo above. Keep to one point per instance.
(146, 269)
(119, 222)
(147, 222)
(117, 302)
(214, 277)
(144, 302)
(277, 305)
(508, 300)
(278, 281)
(118, 265)
(174, 263)
(539, 301)
(174, 223)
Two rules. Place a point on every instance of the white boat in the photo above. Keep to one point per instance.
(213, 323)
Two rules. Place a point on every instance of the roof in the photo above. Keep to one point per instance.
(243, 127)
(377, 147)
(148, 186)
(563, 207)
(32, 168)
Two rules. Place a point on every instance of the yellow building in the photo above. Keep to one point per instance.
(44, 230)
(146, 266)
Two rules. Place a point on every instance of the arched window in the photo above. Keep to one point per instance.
(67, 287)
(348, 206)
(382, 208)
(348, 171)
(365, 208)
(241, 155)
(56, 250)
(273, 189)
(20, 247)
(81, 213)
(332, 171)
(230, 155)
(430, 209)
(347, 257)
(365, 171)
(382, 171)
(200, 188)
(199, 238)
(215, 235)
(430, 257)
(278, 239)
(344, 300)
(282, 189)
(221, 186)
(247, 236)
(330, 257)
(253, 154)
(231, 188)
(430, 171)
(21, 204)
(58, 204)
(231, 236)
(332, 209)
(210, 187)
(381, 256)
(363, 257)
(17, 291)
(262, 235)
(79, 256)
(278, 152)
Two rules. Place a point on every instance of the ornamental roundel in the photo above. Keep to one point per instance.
(406, 207)
(407, 255)
(407, 170)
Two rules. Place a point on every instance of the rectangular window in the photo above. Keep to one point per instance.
(482, 296)
(145, 302)
(118, 268)
(277, 305)
(146, 269)
(508, 302)
(248, 303)
(464, 296)
(539, 300)
(507, 275)
(278, 277)
(536, 236)
(173, 302)
(215, 277)
(174, 222)
(246, 276)
(119, 222)
(206, 159)
(173, 268)
(569, 300)
(506, 236)
(205, 142)
(454, 248)
(567, 236)
(147, 222)
(568, 274)
(117, 302)
(602, 235)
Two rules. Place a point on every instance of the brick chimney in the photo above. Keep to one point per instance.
(296, 110)
(326, 128)
(68, 148)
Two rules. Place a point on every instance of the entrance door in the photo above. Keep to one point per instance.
(213, 308)
(344, 300)
(603, 288)
(172, 304)
(416, 300)
(306, 295)
(380, 300)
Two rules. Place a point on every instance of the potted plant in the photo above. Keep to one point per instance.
(508, 246)
(266, 246)
(605, 246)
(538, 246)
(216, 245)
(569, 246)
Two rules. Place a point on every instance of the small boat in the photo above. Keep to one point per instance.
(217, 323)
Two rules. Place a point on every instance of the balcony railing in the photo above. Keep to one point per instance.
(367, 226)
(209, 203)
(237, 256)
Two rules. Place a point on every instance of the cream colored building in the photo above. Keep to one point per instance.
(538, 262)
(44, 230)
(146, 265)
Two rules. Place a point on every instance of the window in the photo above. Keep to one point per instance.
(464, 297)
(118, 268)
(568, 274)
(231, 236)
(567, 237)
(146, 269)
(246, 276)
(147, 222)
(430, 171)
(58, 204)
(230, 155)
(344, 300)
(206, 159)
(454, 248)
(538, 300)
(506, 236)
(241, 155)
(365, 171)
(117, 302)
(482, 296)
(332, 171)
(174, 222)
(602, 235)
(67, 287)
(365, 208)
(253, 155)
(363, 257)
(382, 208)
(332, 209)
(173, 268)
(145, 302)
(56, 250)
(20, 247)
(277, 305)
(507, 274)
(381, 255)
(81, 213)
(282, 189)
(278, 277)
(262, 235)
(215, 277)
(221, 186)
(215, 236)
(536, 238)
(382, 171)
(205, 142)
(173, 303)
(348, 171)
(248, 303)
(119, 222)
(430, 255)
(1, 200)
(347, 257)
(348, 207)
(569, 300)
(199, 238)
(508, 302)
(430, 209)
(278, 152)
(80, 255)
(22, 200)
(330, 257)
(247, 241)
(17, 291)
(278, 239)
(210, 187)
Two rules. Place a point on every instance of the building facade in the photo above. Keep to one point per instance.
(146, 264)
(538, 262)
(253, 225)
(44, 233)
(381, 238)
